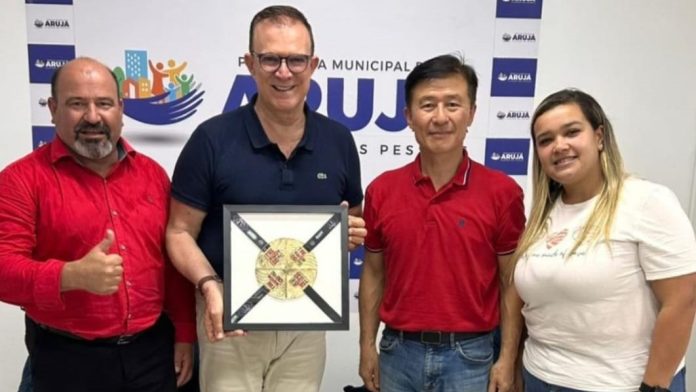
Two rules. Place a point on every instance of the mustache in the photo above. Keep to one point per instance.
(84, 127)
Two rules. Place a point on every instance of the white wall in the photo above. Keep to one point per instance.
(15, 133)
(635, 56)
(638, 59)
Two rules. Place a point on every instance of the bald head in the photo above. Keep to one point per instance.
(83, 63)
(87, 111)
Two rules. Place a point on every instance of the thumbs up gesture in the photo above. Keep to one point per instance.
(97, 272)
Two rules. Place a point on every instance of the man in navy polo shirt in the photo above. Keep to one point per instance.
(441, 231)
(272, 151)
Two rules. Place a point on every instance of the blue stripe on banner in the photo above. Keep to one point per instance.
(41, 135)
(508, 155)
(522, 9)
(513, 77)
(45, 59)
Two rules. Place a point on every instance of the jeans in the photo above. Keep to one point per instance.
(533, 384)
(26, 383)
(411, 366)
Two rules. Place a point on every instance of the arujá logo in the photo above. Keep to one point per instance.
(50, 63)
(52, 23)
(518, 114)
(57, 23)
(513, 114)
(520, 77)
(155, 93)
(508, 156)
(515, 77)
(244, 87)
(526, 37)
(507, 37)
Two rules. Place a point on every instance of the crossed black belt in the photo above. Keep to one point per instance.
(434, 337)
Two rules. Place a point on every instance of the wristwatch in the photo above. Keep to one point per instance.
(651, 388)
(203, 280)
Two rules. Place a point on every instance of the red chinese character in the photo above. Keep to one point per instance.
(272, 255)
(299, 280)
(273, 280)
(298, 255)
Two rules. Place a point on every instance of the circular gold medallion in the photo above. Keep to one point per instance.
(286, 268)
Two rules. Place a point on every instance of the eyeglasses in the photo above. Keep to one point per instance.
(271, 62)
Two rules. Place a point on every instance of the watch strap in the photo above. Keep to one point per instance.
(204, 280)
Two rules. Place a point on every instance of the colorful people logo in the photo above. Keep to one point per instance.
(154, 94)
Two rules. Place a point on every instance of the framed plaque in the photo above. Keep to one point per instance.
(286, 267)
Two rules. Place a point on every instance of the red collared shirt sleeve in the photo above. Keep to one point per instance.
(180, 304)
(26, 281)
(179, 295)
(511, 221)
(373, 241)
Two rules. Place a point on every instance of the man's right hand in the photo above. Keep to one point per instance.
(212, 292)
(97, 272)
(369, 368)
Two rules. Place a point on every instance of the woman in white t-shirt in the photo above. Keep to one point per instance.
(606, 266)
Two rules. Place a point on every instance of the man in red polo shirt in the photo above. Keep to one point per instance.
(440, 234)
(82, 229)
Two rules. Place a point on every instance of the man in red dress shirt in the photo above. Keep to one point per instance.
(82, 224)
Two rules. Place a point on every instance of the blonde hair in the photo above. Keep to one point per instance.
(546, 191)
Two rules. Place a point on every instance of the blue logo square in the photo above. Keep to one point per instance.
(41, 135)
(44, 60)
(508, 155)
(521, 9)
(513, 77)
(357, 257)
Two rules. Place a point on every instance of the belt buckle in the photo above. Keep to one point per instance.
(124, 339)
(431, 337)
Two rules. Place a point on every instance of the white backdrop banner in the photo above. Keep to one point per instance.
(181, 62)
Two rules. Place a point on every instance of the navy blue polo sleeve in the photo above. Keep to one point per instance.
(354, 191)
(192, 182)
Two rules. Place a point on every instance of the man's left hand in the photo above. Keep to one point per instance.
(183, 362)
(502, 377)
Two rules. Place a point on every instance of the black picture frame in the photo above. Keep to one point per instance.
(286, 267)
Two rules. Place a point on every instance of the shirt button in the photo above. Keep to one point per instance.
(114, 212)
(122, 247)
(130, 316)
(129, 283)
